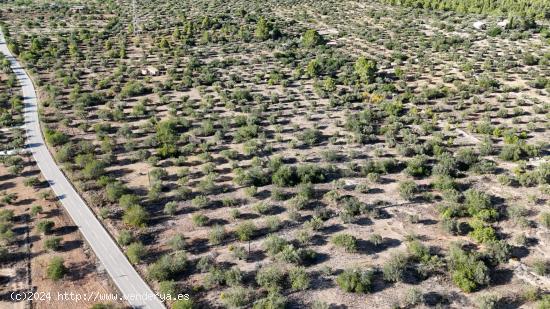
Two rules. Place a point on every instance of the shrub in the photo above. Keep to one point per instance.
(233, 276)
(376, 239)
(56, 269)
(132, 88)
(284, 176)
(52, 243)
(545, 219)
(487, 301)
(467, 271)
(365, 69)
(346, 241)
(289, 254)
(299, 279)
(183, 304)
(45, 226)
(394, 268)
(355, 281)
(216, 235)
(55, 138)
(446, 165)
(127, 200)
(170, 208)
(541, 267)
(237, 297)
(317, 304)
(544, 303)
(310, 137)
(498, 252)
(311, 38)
(511, 152)
(239, 253)
(271, 301)
(35, 210)
(135, 252)
(413, 298)
(114, 191)
(482, 232)
(273, 223)
(274, 244)
(407, 189)
(200, 201)
(479, 205)
(169, 266)
(93, 169)
(418, 166)
(310, 173)
(135, 216)
(270, 278)
(246, 230)
(199, 219)
(262, 207)
(418, 251)
(125, 238)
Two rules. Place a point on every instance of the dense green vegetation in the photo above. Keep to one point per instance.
(523, 8)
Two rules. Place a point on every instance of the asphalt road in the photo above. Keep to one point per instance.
(131, 286)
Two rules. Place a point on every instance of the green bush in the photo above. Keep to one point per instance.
(52, 243)
(498, 252)
(299, 279)
(311, 38)
(114, 191)
(366, 69)
(246, 230)
(45, 226)
(394, 268)
(284, 176)
(355, 281)
(468, 272)
(56, 269)
(544, 303)
(199, 219)
(274, 244)
(55, 138)
(445, 166)
(407, 189)
(545, 219)
(481, 232)
(418, 166)
(541, 267)
(168, 287)
(170, 208)
(135, 252)
(183, 304)
(169, 266)
(135, 216)
(271, 301)
(270, 278)
(177, 242)
(310, 137)
(479, 205)
(487, 301)
(127, 200)
(237, 297)
(216, 235)
(511, 152)
(93, 169)
(346, 241)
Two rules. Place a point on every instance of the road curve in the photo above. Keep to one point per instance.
(131, 286)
